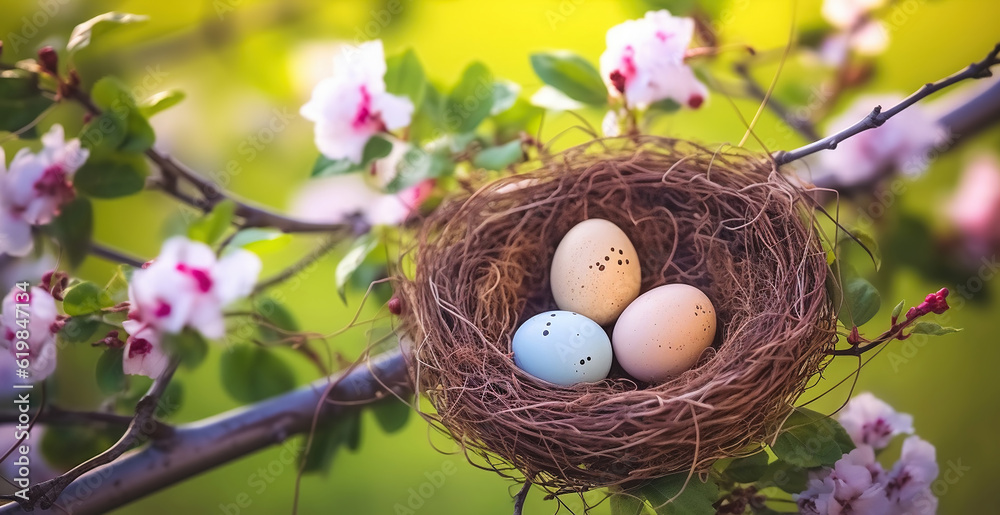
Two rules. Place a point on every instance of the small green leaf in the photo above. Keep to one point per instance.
(275, 321)
(189, 346)
(21, 101)
(898, 310)
(861, 301)
(121, 126)
(694, 499)
(787, 477)
(377, 147)
(85, 32)
(117, 287)
(112, 176)
(73, 228)
(866, 242)
(391, 414)
(470, 101)
(326, 167)
(110, 375)
(79, 330)
(251, 373)
(351, 261)
(811, 439)
(748, 469)
(625, 504)
(209, 228)
(404, 75)
(499, 157)
(667, 105)
(418, 165)
(85, 298)
(327, 440)
(139, 135)
(103, 135)
(505, 95)
(571, 74)
(932, 329)
(160, 102)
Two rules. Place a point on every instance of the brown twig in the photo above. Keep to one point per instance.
(114, 255)
(56, 415)
(521, 496)
(300, 265)
(141, 427)
(801, 125)
(877, 116)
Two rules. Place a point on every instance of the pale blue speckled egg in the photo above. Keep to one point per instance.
(562, 347)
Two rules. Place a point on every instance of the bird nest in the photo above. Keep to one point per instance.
(725, 222)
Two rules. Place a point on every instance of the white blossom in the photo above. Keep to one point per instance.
(41, 327)
(909, 483)
(143, 354)
(845, 14)
(186, 286)
(901, 143)
(352, 106)
(644, 61)
(34, 188)
(870, 421)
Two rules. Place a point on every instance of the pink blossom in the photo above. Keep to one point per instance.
(871, 422)
(352, 106)
(42, 325)
(342, 198)
(974, 207)
(845, 14)
(143, 354)
(852, 488)
(909, 483)
(644, 61)
(35, 187)
(187, 286)
(902, 143)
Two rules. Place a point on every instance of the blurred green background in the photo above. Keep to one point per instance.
(240, 60)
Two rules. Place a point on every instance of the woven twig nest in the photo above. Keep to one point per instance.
(726, 223)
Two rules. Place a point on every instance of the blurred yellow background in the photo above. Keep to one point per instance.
(243, 62)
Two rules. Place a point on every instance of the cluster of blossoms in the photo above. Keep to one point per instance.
(858, 485)
(644, 61)
(857, 30)
(348, 109)
(34, 188)
(185, 286)
(44, 322)
(901, 143)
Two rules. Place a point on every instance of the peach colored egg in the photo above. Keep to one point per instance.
(664, 332)
(595, 271)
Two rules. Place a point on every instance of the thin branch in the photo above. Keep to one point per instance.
(878, 117)
(114, 255)
(55, 415)
(521, 496)
(801, 125)
(300, 265)
(173, 171)
(202, 445)
(142, 427)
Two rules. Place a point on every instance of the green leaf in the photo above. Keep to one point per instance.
(327, 440)
(275, 320)
(866, 242)
(139, 135)
(251, 373)
(209, 228)
(625, 504)
(111, 176)
(73, 228)
(259, 241)
(811, 439)
(66, 446)
(377, 147)
(787, 477)
(571, 74)
(861, 301)
(110, 375)
(418, 165)
(21, 101)
(505, 95)
(160, 102)
(748, 469)
(189, 346)
(405, 76)
(121, 118)
(667, 105)
(392, 414)
(499, 157)
(85, 298)
(171, 400)
(696, 499)
(898, 310)
(103, 135)
(932, 329)
(85, 32)
(79, 330)
(117, 287)
(326, 167)
(470, 101)
(351, 261)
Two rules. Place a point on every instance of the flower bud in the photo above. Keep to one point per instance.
(49, 60)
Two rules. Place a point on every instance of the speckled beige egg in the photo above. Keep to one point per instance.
(595, 271)
(664, 332)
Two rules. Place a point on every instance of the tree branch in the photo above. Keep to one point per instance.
(212, 194)
(801, 125)
(878, 117)
(114, 255)
(286, 274)
(55, 415)
(200, 446)
(522, 495)
(142, 427)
